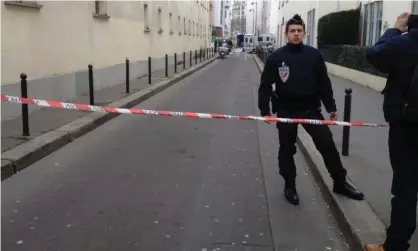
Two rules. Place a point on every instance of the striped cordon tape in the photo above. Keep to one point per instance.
(93, 108)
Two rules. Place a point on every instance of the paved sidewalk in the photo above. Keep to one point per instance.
(47, 119)
(368, 161)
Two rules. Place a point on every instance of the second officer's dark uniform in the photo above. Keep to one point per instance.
(302, 82)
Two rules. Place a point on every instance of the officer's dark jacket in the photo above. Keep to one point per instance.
(397, 55)
(307, 84)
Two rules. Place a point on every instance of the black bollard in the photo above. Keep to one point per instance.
(347, 118)
(166, 65)
(175, 62)
(91, 85)
(25, 109)
(127, 75)
(184, 60)
(149, 70)
(191, 58)
(195, 57)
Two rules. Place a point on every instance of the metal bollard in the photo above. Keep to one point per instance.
(184, 60)
(191, 58)
(175, 62)
(25, 109)
(127, 75)
(149, 70)
(347, 118)
(166, 65)
(91, 85)
(195, 57)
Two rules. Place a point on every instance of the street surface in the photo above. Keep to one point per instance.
(171, 183)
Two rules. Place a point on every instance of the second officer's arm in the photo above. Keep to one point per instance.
(325, 87)
(268, 77)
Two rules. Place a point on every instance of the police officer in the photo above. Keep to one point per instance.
(397, 55)
(301, 79)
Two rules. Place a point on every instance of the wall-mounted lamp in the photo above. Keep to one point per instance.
(385, 26)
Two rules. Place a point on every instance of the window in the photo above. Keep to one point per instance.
(146, 18)
(311, 28)
(179, 25)
(170, 20)
(100, 8)
(372, 22)
(28, 4)
(415, 7)
(159, 21)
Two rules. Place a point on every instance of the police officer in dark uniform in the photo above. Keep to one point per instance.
(302, 82)
(397, 55)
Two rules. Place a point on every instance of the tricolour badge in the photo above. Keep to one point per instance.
(284, 72)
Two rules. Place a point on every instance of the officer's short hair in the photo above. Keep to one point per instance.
(412, 22)
(296, 19)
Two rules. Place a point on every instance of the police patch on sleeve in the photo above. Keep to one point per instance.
(284, 72)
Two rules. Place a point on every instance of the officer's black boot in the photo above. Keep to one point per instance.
(290, 192)
(345, 189)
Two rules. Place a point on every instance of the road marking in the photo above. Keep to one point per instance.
(238, 50)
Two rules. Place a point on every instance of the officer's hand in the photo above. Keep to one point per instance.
(402, 22)
(267, 121)
(333, 116)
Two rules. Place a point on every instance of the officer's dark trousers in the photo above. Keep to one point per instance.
(403, 153)
(322, 138)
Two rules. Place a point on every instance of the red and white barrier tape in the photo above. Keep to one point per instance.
(92, 108)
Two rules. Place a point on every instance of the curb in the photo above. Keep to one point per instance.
(18, 158)
(356, 219)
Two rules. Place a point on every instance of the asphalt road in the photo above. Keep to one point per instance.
(160, 183)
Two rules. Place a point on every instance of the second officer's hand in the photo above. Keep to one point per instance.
(333, 116)
(402, 22)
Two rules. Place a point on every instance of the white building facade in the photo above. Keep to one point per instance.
(222, 16)
(376, 16)
(238, 20)
(53, 42)
(254, 16)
